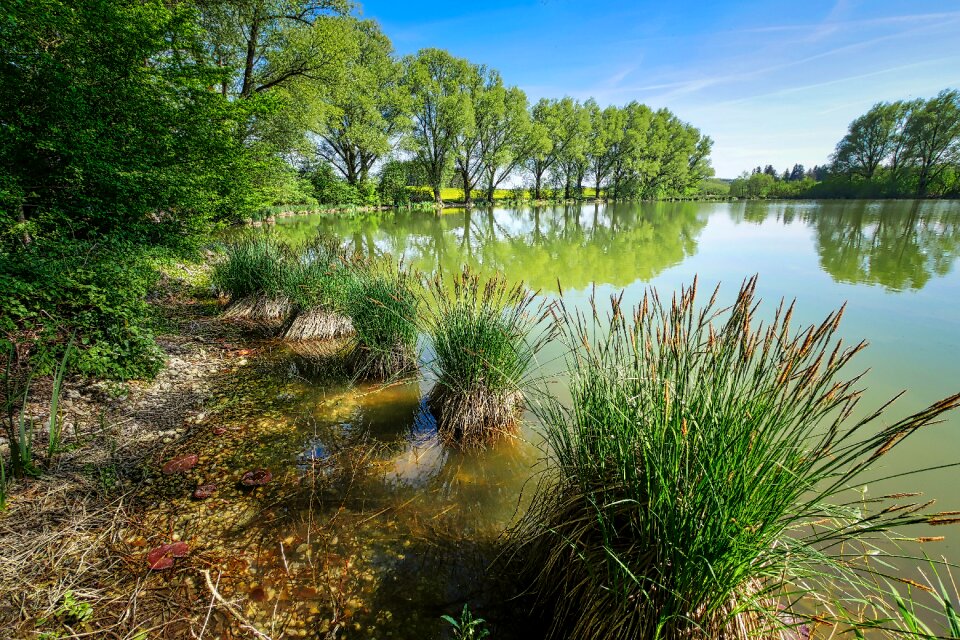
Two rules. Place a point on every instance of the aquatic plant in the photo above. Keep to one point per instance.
(382, 305)
(317, 286)
(701, 475)
(254, 275)
(467, 627)
(484, 338)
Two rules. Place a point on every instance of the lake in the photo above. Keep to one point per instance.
(405, 525)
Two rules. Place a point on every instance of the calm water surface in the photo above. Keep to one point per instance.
(419, 515)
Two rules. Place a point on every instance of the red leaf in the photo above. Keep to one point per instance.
(180, 464)
(162, 557)
(256, 478)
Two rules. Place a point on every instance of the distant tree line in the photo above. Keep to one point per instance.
(129, 130)
(907, 148)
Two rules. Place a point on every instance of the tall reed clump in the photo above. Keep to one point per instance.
(254, 275)
(702, 474)
(484, 337)
(382, 305)
(317, 287)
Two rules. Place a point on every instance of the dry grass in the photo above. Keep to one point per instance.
(317, 324)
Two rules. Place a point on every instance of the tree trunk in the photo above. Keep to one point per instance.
(566, 189)
(596, 195)
(467, 189)
(437, 197)
(22, 217)
(247, 88)
(536, 186)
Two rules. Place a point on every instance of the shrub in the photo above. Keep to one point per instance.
(95, 290)
(382, 306)
(701, 474)
(484, 350)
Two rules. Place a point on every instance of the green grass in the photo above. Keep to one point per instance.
(484, 346)
(382, 304)
(320, 275)
(701, 474)
(257, 264)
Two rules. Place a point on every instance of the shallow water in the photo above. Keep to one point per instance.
(374, 526)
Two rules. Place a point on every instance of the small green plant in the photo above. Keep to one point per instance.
(73, 611)
(467, 627)
(485, 336)
(54, 431)
(382, 305)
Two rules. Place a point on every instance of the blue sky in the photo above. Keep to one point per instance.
(770, 82)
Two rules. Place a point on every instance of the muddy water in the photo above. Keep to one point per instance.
(372, 529)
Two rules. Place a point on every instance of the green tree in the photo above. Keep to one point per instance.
(933, 138)
(559, 124)
(871, 140)
(366, 106)
(442, 111)
(508, 137)
(604, 133)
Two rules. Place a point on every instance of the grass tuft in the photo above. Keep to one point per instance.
(485, 337)
(254, 274)
(319, 282)
(701, 474)
(382, 304)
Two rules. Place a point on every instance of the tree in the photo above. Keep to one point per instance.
(561, 130)
(870, 140)
(933, 138)
(509, 138)
(108, 123)
(634, 122)
(604, 134)
(442, 111)
(366, 106)
(473, 148)
(572, 162)
(270, 43)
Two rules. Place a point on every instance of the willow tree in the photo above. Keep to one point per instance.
(442, 111)
(366, 106)
(603, 136)
(510, 138)
(871, 140)
(484, 89)
(933, 138)
(563, 124)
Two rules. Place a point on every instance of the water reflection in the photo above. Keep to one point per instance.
(895, 244)
(603, 244)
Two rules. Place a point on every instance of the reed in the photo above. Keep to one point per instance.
(382, 304)
(318, 284)
(484, 337)
(701, 474)
(254, 274)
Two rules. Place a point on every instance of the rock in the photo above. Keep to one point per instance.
(180, 464)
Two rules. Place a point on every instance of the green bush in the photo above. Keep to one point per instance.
(97, 290)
